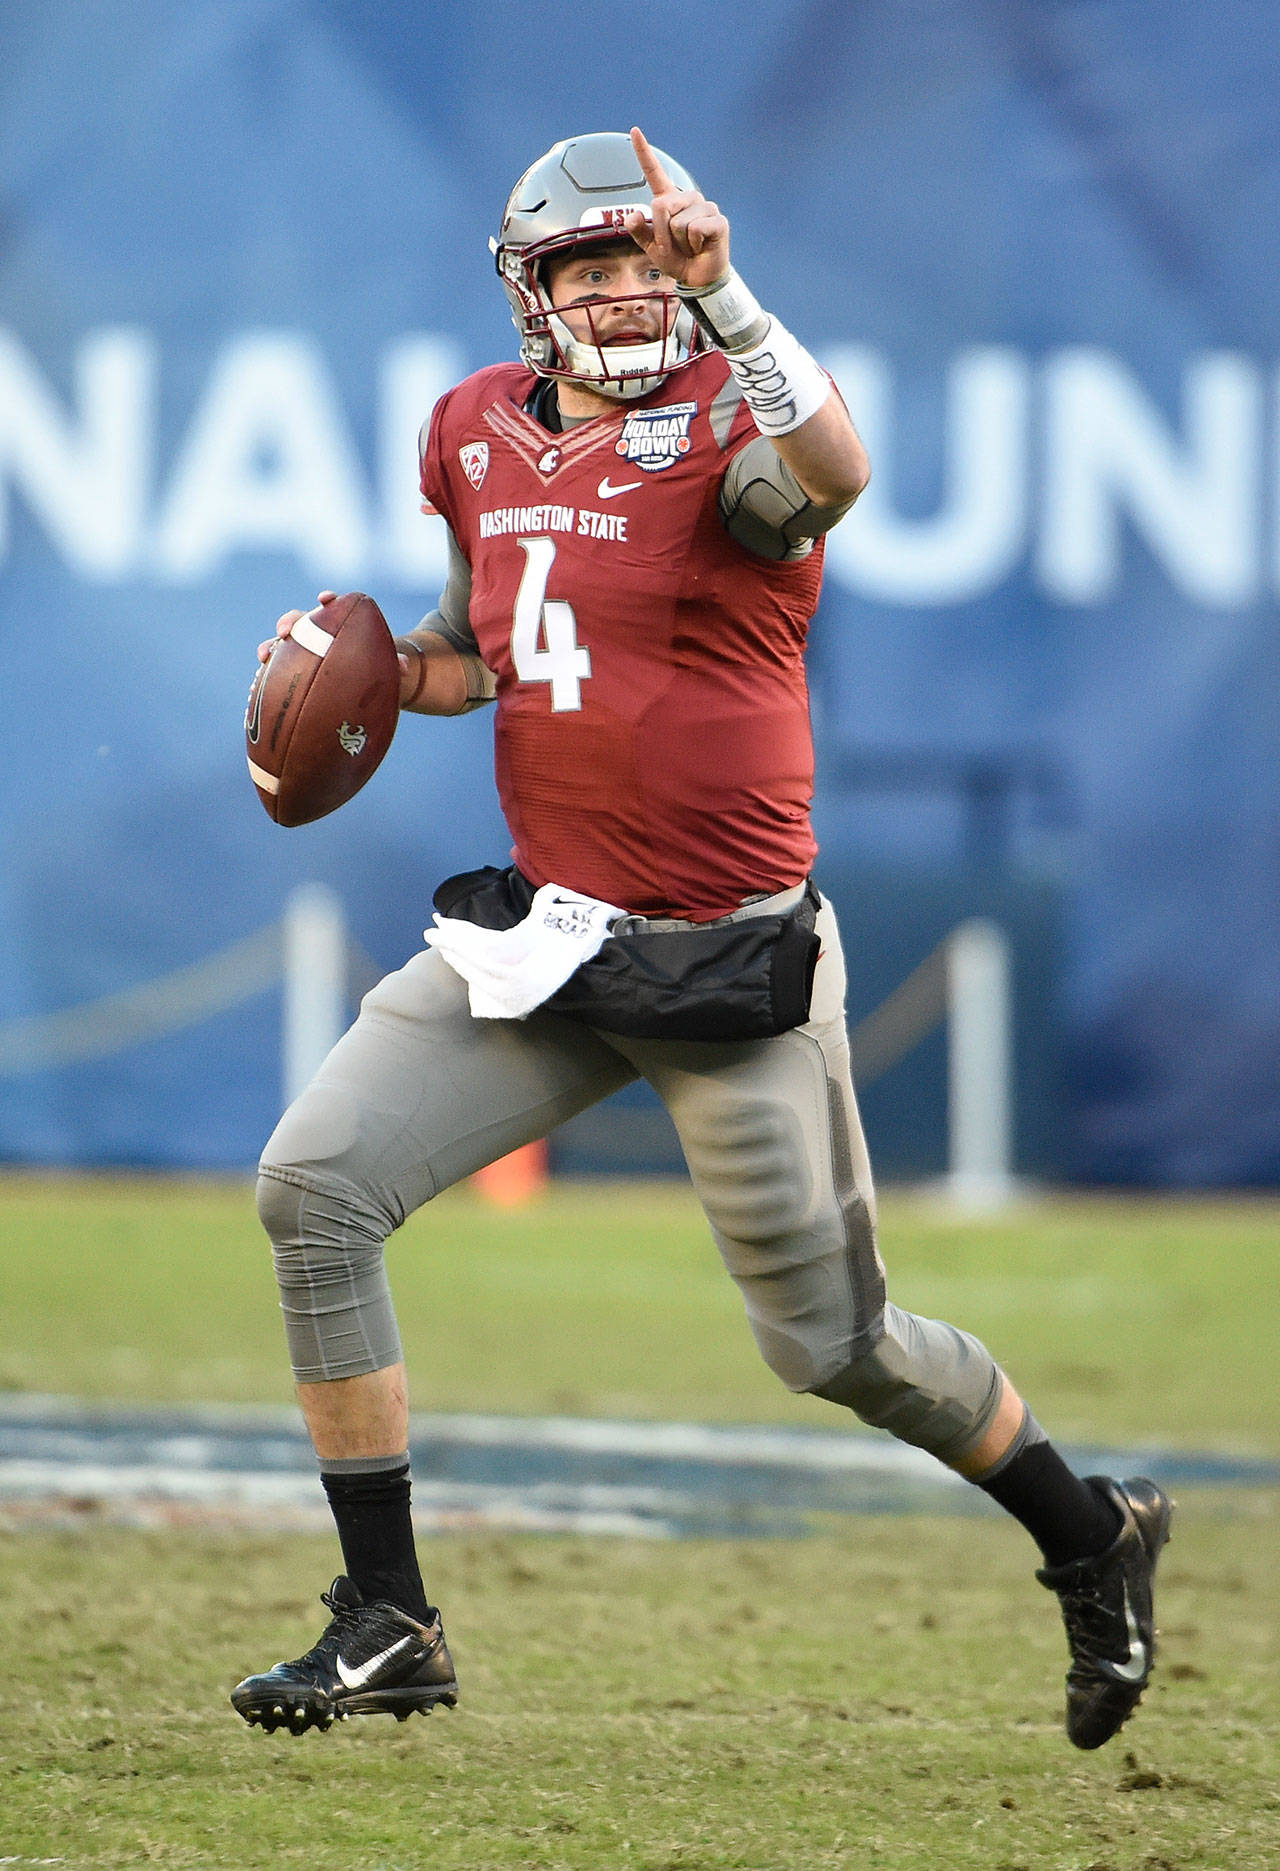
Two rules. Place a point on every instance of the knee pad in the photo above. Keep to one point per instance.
(299, 1208)
(280, 1207)
(327, 1246)
(925, 1382)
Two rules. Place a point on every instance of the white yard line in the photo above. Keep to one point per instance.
(63, 1456)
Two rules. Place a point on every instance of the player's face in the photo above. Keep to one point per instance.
(601, 294)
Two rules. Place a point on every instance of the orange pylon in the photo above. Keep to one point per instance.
(515, 1179)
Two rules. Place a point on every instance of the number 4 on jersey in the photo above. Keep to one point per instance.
(544, 632)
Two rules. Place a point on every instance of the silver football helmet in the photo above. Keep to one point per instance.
(576, 196)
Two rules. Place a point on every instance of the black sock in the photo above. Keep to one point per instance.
(1066, 1517)
(376, 1533)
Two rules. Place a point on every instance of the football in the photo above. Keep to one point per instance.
(322, 710)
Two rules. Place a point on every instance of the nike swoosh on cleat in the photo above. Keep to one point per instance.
(1135, 1668)
(607, 491)
(356, 1677)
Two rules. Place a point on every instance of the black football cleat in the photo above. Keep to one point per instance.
(371, 1660)
(1107, 1609)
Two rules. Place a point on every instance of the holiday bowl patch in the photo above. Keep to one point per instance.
(656, 438)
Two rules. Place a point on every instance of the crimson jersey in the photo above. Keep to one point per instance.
(652, 741)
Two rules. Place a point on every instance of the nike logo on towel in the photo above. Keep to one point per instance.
(358, 1677)
(1134, 1670)
(607, 491)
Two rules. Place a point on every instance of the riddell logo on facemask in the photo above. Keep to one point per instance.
(656, 438)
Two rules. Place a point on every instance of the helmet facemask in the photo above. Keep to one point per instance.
(620, 371)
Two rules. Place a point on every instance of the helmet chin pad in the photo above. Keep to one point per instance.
(629, 390)
(622, 372)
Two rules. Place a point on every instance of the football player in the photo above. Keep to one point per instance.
(636, 513)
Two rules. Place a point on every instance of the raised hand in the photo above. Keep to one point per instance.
(688, 237)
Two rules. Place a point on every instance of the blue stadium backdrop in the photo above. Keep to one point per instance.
(242, 248)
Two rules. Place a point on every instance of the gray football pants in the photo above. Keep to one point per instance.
(418, 1094)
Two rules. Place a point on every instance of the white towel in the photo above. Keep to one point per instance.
(509, 972)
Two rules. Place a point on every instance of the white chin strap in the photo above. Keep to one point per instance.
(602, 366)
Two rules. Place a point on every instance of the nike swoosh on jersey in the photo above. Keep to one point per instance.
(355, 1677)
(1135, 1668)
(607, 491)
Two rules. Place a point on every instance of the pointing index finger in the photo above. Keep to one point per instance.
(654, 173)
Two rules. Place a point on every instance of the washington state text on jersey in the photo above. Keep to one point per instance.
(551, 518)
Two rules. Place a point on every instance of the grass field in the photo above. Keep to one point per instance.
(887, 1694)
(1121, 1320)
(888, 1697)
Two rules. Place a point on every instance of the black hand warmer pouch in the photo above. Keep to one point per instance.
(726, 981)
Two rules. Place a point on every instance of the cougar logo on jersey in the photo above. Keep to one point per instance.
(474, 457)
(656, 438)
(351, 740)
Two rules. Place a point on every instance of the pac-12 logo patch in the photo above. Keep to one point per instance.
(474, 457)
(656, 438)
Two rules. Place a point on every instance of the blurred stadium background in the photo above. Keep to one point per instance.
(242, 249)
